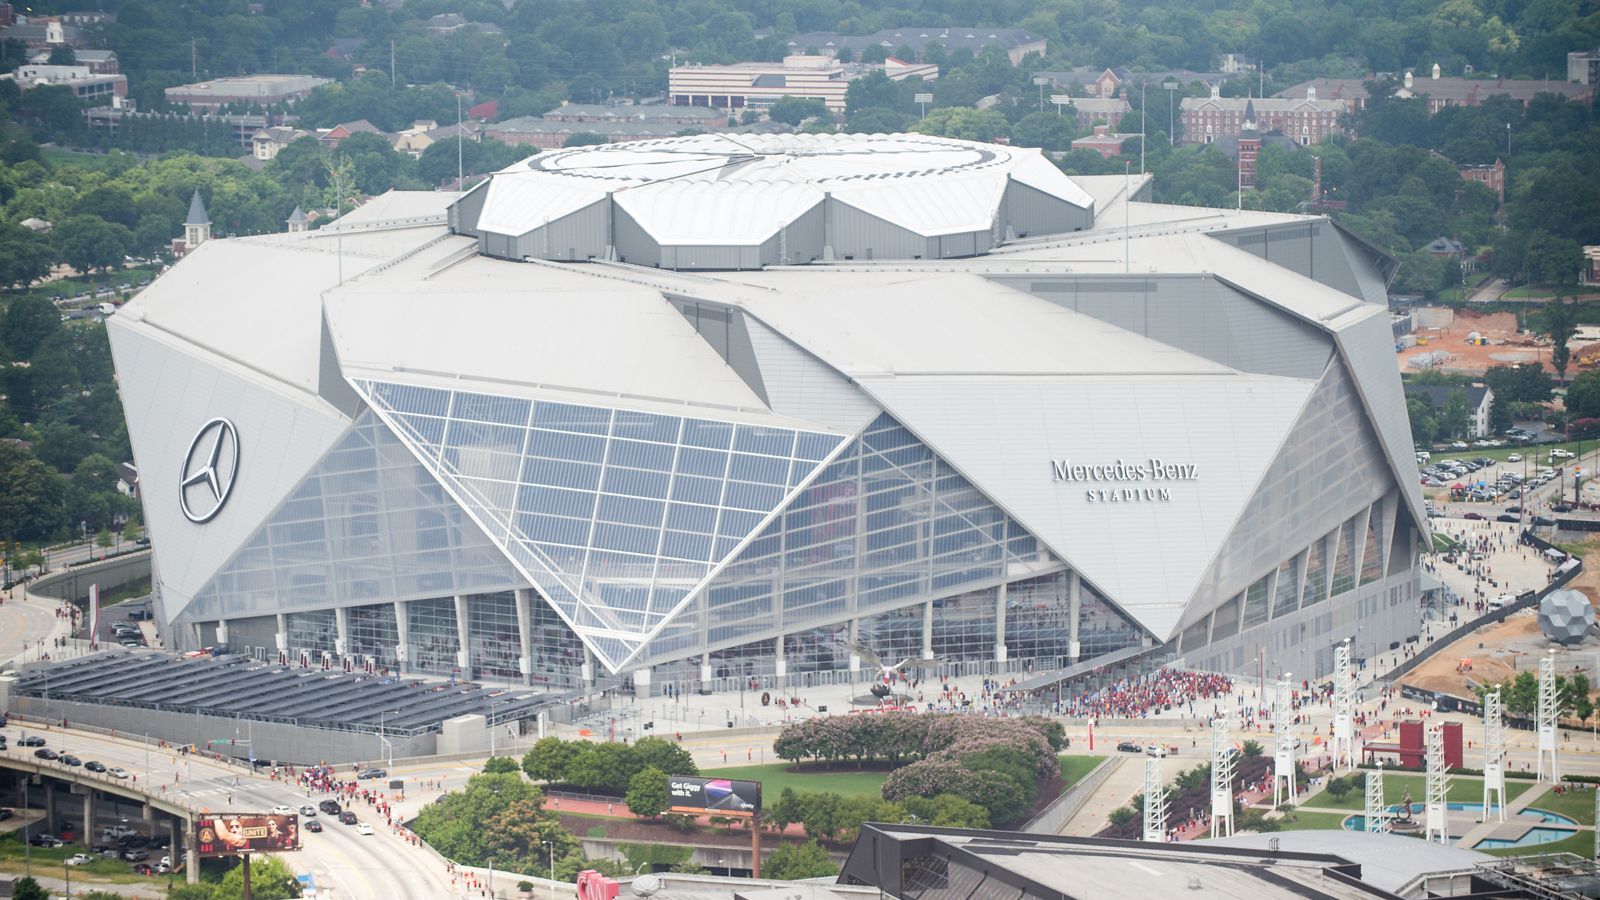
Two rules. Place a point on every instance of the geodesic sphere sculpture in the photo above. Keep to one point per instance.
(1565, 616)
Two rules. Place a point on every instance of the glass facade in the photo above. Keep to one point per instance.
(1372, 554)
(1344, 566)
(367, 524)
(374, 632)
(1288, 593)
(885, 525)
(965, 627)
(1316, 572)
(1256, 609)
(617, 515)
(556, 652)
(315, 631)
(493, 638)
(1101, 629)
(1039, 619)
(894, 635)
(432, 636)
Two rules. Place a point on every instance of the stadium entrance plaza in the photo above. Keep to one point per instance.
(701, 722)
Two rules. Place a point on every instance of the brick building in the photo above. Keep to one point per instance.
(1305, 121)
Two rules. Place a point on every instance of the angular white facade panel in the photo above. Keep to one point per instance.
(1135, 482)
(170, 391)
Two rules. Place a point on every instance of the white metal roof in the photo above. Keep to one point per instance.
(759, 182)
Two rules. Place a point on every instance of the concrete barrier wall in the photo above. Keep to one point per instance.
(73, 584)
(1053, 817)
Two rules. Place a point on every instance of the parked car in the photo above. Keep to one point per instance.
(45, 840)
(1129, 747)
(5, 813)
(1506, 517)
(79, 859)
(281, 810)
(1155, 750)
(1473, 515)
(136, 855)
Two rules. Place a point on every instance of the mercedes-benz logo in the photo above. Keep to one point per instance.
(208, 471)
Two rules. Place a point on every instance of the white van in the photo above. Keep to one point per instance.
(1502, 601)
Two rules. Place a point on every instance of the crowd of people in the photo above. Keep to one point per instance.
(1145, 695)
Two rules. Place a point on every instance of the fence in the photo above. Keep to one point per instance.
(1526, 601)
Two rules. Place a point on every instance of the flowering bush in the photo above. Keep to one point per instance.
(996, 763)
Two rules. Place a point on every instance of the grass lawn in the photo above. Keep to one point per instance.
(1073, 768)
(775, 778)
(1462, 790)
(1528, 292)
(1578, 805)
(1581, 843)
(1306, 821)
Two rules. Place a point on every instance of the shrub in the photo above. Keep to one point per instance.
(500, 765)
(794, 861)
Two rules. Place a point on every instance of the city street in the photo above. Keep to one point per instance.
(344, 863)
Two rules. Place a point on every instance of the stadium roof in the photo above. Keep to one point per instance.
(748, 187)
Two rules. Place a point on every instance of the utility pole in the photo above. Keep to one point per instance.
(391, 64)
(1142, 86)
(460, 136)
(194, 64)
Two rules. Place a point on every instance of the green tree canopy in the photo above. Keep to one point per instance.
(794, 110)
(795, 861)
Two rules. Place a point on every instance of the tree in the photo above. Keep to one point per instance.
(877, 120)
(1424, 425)
(548, 758)
(795, 861)
(500, 765)
(88, 243)
(27, 889)
(965, 123)
(1455, 419)
(1583, 396)
(1561, 323)
(1050, 131)
(270, 879)
(647, 793)
(25, 257)
(28, 321)
(794, 110)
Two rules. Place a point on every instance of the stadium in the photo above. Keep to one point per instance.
(690, 412)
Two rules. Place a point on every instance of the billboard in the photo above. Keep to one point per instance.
(720, 795)
(226, 834)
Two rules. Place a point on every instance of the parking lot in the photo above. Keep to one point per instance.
(1526, 488)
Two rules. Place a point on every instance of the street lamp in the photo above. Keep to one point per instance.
(383, 735)
(552, 852)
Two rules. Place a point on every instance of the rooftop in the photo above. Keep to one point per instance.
(909, 861)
